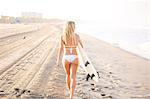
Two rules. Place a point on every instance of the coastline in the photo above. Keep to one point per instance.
(131, 50)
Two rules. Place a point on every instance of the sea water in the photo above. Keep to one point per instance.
(132, 39)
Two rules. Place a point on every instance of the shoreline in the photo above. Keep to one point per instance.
(119, 47)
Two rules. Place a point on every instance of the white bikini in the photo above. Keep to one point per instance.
(71, 57)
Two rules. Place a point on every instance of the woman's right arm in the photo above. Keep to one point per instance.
(60, 51)
(80, 41)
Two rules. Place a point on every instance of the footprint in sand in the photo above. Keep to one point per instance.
(2, 93)
(93, 89)
(106, 96)
(92, 84)
(18, 92)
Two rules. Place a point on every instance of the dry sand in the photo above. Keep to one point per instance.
(28, 69)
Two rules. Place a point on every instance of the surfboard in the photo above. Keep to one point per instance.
(87, 65)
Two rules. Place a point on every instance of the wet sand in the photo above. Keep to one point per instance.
(123, 75)
(28, 69)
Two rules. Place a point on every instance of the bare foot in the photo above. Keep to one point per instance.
(71, 97)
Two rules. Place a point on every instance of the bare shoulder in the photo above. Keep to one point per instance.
(77, 35)
(61, 37)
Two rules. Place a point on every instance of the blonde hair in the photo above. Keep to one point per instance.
(68, 33)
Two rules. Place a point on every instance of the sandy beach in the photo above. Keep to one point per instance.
(28, 67)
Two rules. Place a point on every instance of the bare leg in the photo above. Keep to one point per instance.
(73, 79)
(68, 81)
(67, 70)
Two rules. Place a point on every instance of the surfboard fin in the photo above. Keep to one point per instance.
(87, 77)
(98, 74)
(86, 64)
(92, 76)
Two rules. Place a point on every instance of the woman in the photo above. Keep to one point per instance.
(68, 44)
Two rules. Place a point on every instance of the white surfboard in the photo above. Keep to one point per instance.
(81, 62)
(87, 65)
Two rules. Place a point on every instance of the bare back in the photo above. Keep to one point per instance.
(71, 44)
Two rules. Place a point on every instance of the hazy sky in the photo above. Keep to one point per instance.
(128, 12)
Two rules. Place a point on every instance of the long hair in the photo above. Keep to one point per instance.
(68, 34)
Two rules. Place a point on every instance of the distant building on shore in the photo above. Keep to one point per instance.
(31, 15)
(27, 17)
(7, 19)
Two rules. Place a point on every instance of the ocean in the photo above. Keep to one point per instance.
(132, 39)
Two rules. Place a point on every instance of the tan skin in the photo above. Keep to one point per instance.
(71, 79)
